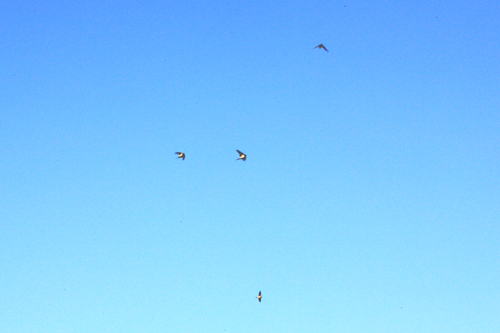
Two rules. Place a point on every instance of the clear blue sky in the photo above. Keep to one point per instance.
(369, 201)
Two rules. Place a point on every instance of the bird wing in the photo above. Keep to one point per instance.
(178, 153)
(325, 48)
(260, 293)
(239, 152)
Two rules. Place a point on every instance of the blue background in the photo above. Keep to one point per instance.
(369, 201)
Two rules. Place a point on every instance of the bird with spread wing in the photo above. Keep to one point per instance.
(321, 46)
(242, 156)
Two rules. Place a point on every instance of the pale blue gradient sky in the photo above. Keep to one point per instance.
(369, 201)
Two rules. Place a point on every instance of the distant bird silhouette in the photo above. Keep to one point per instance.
(321, 46)
(242, 156)
(181, 155)
(259, 297)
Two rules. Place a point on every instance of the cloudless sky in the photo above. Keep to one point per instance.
(369, 200)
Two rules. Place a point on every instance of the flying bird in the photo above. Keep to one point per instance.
(181, 155)
(321, 46)
(259, 297)
(242, 156)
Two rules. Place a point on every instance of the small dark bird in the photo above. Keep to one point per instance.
(242, 156)
(181, 155)
(259, 297)
(321, 46)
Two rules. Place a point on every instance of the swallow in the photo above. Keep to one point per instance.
(242, 156)
(181, 155)
(259, 297)
(321, 46)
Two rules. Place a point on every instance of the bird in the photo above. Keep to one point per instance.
(321, 46)
(242, 156)
(181, 155)
(259, 297)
